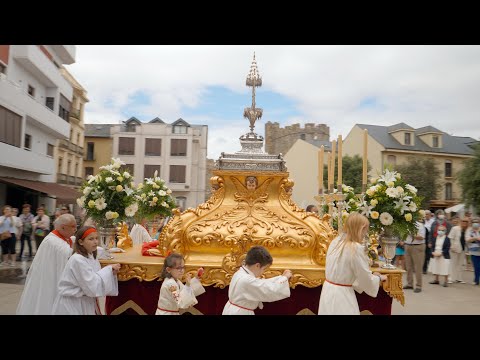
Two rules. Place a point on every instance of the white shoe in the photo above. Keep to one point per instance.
(450, 281)
(461, 281)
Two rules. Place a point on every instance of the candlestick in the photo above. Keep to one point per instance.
(365, 141)
(334, 149)
(339, 182)
(320, 169)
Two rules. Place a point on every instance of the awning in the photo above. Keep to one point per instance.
(455, 209)
(64, 194)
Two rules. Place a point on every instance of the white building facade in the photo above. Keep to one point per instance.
(35, 103)
(178, 151)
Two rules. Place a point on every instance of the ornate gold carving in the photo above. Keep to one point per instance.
(306, 311)
(124, 239)
(394, 287)
(247, 209)
(128, 272)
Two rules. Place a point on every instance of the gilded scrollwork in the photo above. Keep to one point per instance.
(394, 287)
(128, 272)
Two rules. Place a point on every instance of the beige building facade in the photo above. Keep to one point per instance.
(68, 153)
(393, 145)
(98, 148)
(178, 151)
(302, 165)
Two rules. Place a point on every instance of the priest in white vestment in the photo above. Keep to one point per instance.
(247, 290)
(347, 270)
(83, 279)
(41, 285)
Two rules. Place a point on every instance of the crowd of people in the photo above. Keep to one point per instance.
(65, 276)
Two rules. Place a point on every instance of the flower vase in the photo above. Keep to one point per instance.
(389, 242)
(107, 234)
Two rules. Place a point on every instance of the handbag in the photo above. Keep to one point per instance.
(5, 235)
(40, 232)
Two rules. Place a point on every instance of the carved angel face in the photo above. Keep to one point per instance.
(251, 182)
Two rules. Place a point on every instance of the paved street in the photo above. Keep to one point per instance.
(457, 299)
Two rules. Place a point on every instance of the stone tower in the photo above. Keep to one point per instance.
(280, 140)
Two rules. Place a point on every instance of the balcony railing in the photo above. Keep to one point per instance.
(69, 180)
(65, 144)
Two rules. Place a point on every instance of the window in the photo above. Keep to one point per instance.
(149, 170)
(90, 151)
(60, 164)
(392, 159)
(408, 140)
(49, 102)
(126, 146)
(179, 129)
(88, 171)
(448, 191)
(153, 147)
(31, 91)
(78, 139)
(448, 168)
(302, 136)
(129, 168)
(10, 127)
(49, 149)
(71, 134)
(69, 164)
(28, 142)
(64, 108)
(131, 128)
(177, 173)
(435, 141)
(178, 147)
(76, 169)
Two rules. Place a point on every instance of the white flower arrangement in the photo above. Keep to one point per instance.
(154, 198)
(108, 196)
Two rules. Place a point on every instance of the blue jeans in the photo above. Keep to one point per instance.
(476, 267)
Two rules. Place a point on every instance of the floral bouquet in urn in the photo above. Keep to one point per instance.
(108, 197)
(391, 205)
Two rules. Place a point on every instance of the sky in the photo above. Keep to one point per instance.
(336, 85)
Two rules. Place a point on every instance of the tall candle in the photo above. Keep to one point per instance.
(334, 149)
(339, 182)
(329, 170)
(365, 141)
(320, 169)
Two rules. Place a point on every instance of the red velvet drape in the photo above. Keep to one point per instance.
(145, 294)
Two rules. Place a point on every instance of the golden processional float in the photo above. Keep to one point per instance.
(250, 205)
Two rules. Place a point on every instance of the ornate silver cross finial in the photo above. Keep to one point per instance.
(254, 80)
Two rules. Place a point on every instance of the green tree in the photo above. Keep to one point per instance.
(352, 171)
(469, 179)
(422, 173)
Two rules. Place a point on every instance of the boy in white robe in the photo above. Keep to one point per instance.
(247, 291)
(47, 266)
(347, 270)
(173, 294)
(83, 279)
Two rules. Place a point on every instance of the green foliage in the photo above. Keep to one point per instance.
(154, 198)
(350, 205)
(108, 196)
(424, 175)
(469, 179)
(352, 171)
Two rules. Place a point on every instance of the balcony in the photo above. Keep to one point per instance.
(65, 52)
(69, 180)
(67, 145)
(37, 63)
(22, 159)
(37, 113)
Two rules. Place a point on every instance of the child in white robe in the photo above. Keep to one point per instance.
(347, 270)
(247, 291)
(174, 295)
(83, 279)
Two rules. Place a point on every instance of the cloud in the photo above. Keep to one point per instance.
(336, 85)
